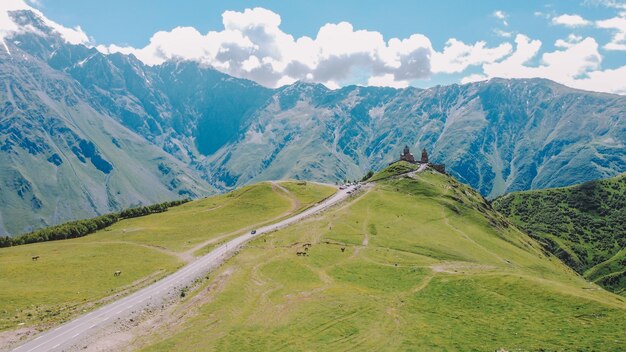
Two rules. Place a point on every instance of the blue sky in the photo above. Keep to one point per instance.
(513, 25)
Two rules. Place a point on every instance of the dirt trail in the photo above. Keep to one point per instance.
(295, 202)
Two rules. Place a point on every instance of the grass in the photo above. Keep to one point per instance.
(394, 169)
(308, 193)
(68, 275)
(73, 275)
(185, 226)
(584, 225)
(426, 266)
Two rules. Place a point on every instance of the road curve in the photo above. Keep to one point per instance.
(70, 334)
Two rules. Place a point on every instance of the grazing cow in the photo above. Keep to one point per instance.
(35, 257)
(343, 249)
(117, 273)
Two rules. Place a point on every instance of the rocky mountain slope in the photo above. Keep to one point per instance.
(497, 136)
(584, 225)
(64, 157)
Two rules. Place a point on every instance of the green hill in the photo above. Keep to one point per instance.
(76, 275)
(584, 225)
(417, 264)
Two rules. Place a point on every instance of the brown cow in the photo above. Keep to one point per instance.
(35, 257)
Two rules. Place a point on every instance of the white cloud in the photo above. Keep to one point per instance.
(610, 80)
(501, 15)
(618, 25)
(575, 64)
(253, 46)
(566, 43)
(458, 56)
(503, 34)
(614, 4)
(8, 27)
(570, 20)
(386, 80)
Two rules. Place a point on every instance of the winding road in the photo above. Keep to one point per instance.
(72, 335)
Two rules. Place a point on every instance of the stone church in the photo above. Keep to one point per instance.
(408, 157)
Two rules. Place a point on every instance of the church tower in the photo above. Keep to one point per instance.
(407, 156)
(424, 156)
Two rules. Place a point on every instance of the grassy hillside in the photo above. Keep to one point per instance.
(74, 275)
(584, 225)
(411, 264)
(394, 169)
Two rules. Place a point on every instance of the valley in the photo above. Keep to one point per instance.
(312, 176)
(584, 225)
(74, 120)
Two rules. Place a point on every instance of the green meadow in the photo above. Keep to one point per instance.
(73, 276)
(584, 225)
(419, 264)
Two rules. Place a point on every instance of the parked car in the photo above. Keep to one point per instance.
(253, 232)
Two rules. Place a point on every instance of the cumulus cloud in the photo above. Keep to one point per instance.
(618, 26)
(576, 64)
(8, 26)
(570, 20)
(457, 56)
(252, 45)
(386, 80)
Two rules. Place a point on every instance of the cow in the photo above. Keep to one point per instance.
(35, 257)
(117, 273)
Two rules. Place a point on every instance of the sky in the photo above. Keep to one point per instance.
(579, 43)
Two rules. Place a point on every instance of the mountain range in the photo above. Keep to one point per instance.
(83, 133)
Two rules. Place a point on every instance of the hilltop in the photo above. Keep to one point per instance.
(584, 225)
(415, 261)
